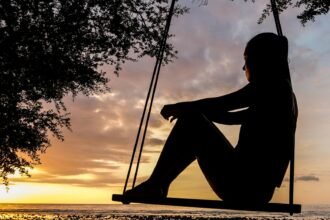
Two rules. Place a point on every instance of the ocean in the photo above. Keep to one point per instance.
(145, 212)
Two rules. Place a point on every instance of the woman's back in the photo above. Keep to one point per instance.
(267, 136)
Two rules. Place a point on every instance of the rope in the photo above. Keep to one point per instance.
(276, 17)
(291, 184)
(151, 91)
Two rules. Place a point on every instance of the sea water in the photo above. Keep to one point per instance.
(146, 212)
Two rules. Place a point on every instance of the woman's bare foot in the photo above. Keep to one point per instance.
(147, 190)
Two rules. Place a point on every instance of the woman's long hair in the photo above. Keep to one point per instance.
(267, 57)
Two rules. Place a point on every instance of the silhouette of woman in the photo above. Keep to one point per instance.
(252, 170)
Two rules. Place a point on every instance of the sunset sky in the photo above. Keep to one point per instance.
(91, 164)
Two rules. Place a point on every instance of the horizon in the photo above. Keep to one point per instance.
(151, 205)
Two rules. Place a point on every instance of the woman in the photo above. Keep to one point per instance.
(252, 170)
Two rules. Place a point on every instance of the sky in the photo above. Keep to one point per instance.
(91, 164)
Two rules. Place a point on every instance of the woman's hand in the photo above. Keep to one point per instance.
(170, 112)
(173, 111)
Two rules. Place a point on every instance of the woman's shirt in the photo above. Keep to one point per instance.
(266, 138)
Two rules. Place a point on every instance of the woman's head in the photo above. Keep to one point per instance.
(266, 57)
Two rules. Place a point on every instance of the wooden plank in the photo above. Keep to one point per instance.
(215, 204)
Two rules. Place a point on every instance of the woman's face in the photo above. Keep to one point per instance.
(246, 68)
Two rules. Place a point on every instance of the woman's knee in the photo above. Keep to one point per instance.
(197, 125)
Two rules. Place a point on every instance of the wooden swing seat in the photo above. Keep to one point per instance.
(213, 204)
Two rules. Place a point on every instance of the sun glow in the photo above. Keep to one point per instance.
(49, 193)
(85, 176)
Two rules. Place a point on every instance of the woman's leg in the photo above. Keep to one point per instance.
(192, 137)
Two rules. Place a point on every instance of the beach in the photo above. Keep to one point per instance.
(143, 212)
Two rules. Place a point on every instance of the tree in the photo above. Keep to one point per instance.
(52, 48)
(311, 8)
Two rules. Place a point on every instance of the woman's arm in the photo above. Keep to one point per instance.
(228, 118)
(239, 99)
(222, 105)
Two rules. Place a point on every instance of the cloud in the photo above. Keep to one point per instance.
(308, 178)
(304, 63)
(211, 42)
(104, 126)
(305, 178)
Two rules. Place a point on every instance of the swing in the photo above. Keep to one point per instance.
(200, 203)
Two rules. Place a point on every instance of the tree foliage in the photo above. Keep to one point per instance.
(52, 48)
(311, 8)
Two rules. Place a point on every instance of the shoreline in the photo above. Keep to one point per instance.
(136, 216)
